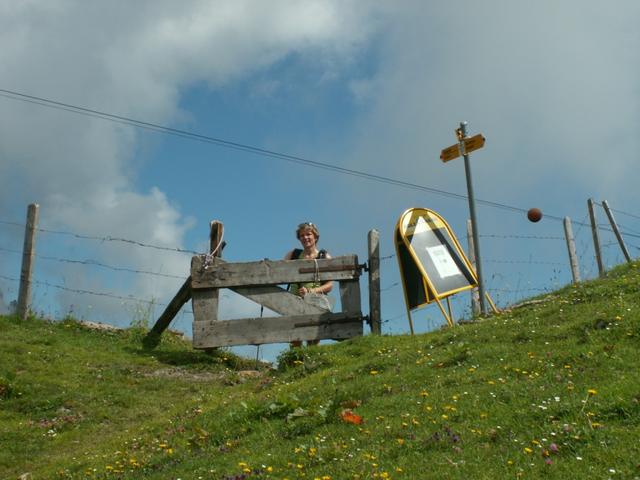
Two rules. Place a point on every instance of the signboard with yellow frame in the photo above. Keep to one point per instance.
(432, 264)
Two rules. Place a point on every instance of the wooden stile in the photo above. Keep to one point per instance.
(261, 282)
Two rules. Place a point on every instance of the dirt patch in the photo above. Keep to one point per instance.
(184, 374)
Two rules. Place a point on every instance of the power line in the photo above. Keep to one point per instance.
(13, 95)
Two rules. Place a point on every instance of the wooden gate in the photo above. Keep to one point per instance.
(261, 282)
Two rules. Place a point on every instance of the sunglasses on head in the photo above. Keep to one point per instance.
(306, 224)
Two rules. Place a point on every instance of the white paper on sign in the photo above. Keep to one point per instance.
(443, 261)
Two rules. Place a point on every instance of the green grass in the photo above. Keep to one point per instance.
(549, 390)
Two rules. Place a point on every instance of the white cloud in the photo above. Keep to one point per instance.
(132, 59)
(553, 88)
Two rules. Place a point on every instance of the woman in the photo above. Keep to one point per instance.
(308, 235)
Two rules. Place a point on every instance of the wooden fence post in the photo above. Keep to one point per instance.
(571, 247)
(374, 282)
(475, 295)
(614, 226)
(216, 244)
(596, 237)
(28, 254)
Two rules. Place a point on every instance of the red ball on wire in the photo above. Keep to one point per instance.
(534, 215)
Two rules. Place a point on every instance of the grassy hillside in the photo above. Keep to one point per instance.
(548, 390)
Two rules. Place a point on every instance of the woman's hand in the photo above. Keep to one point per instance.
(302, 291)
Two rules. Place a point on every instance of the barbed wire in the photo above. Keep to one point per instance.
(387, 257)
(97, 264)
(526, 262)
(527, 237)
(107, 238)
(625, 213)
(507, 290)
(627, 230)
(91, 292)
(388, 320)
(390, 287)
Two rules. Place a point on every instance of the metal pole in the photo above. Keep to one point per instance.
(472, 214)
(28, 254)
(475, 297)
(614, 226)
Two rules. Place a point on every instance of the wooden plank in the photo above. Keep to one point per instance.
(259, 331)
(152, 338)
(278, 299)
(216, 234)
(205, 304)
(219, 274)
(350, 296)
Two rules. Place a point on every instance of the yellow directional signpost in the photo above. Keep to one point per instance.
(463, 147)
(432, 263)
(467, 145)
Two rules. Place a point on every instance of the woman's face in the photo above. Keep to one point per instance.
(307, 238)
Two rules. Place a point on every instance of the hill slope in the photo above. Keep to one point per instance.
(550, 390)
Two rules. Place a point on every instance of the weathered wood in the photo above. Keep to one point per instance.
(152, 339)
(596, 237)
(571, 247)
(375, 318)
(183, 296)
(475, 293)
(28, 255)
(350, 296)
(216, 234)
(259, 331)
(616, 231)
(278, 300)
(205, 303)
(218, 274)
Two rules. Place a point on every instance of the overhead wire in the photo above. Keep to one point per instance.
(14, 95)
(45, 102)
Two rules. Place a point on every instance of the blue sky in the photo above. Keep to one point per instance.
(377, 87)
